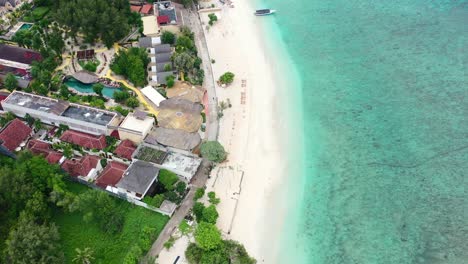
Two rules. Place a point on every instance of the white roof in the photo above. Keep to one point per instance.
(153, 68)
(152, 50)
(152, 94)
(153, 59)
(156, 40)
(135, 124)
(154, 78)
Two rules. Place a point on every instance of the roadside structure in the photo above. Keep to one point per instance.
(177, 113)
(137, 179)
(166, 12)
(135, 126)
(57, 112)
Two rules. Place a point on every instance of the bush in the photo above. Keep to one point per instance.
(198, 209)
(157, 200)
(133, 255)
(170, 81)
(207, 236)
(133, 102)
(168, 179)
(168, 38)
(213, 151)
(210, 214)
(180, 187)
(169, 243)
(39, 12)
(121, 96)
(213, 18)
(172, 196)
(227, 78)
(212, 198)
(199, 194)
(121, 110)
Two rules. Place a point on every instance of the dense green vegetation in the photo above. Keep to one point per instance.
(108, 20)
(227, 78)
(132, 64)
(185, 58)
(213, 150)
(209, 247)
(45, 219)
(213, 18)
(168, 37)
(10, 82)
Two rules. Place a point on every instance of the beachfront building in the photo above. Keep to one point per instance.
(178, 113)
(174, 138)
(150, 26)
(136, 126)
(57, 112)
(160, 65)
(166, 13)
(137, 180)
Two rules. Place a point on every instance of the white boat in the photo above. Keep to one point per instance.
(264, 12)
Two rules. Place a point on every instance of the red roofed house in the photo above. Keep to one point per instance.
(135, 8)
(38, 147)
(147, 9)
(83, 139)
(13, 134)
(111, 174)
(86, 167)
(125, 149)
(163, 20)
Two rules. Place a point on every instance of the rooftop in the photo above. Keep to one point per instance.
(146, 9)
(17, 54)
(174, 138)
(138, 177)
(89, 114)
(36, 102)
(86, 77)
(125, 149)
(166, 8)
(13, 134)
(153, 95)
(176, 113)
(150, 26)
(80, 167)
(150, 154)
(83, 139)
(42, 148)
(186, 91)
(148, 42)
(181, 164)
(136, 122)
(60, 108)
(85, 54)
(111, 174)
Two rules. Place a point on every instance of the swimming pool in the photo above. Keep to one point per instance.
(88, 88)
(25, 26)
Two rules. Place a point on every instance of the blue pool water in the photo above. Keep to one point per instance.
(88, 88)
(25, 26)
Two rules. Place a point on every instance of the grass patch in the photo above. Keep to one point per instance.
(39, 12)
(75, 233)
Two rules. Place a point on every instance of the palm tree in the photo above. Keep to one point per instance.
(83, 256)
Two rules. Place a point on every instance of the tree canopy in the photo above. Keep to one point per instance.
(132, 64)
(213, 150)
(167, 179)
(108, 20)
(168, 37)
(227, 78)
(207, 236)
(10, 82)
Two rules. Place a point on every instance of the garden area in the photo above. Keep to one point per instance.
(151, 155)
(141, 227)
(168, 187)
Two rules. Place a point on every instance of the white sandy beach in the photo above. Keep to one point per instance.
(253, 132)
(251, 182)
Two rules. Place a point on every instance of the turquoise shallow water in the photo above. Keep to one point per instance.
(385, 117)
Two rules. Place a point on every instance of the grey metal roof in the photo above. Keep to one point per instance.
(162, 76)
(138, 177)
(145, 42)
(160, 66)
(86, 77)
(162, 48)
(163, 57)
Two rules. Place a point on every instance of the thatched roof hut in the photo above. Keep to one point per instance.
(85, 77)
(174, 138)
(185, 90)
(177, 113)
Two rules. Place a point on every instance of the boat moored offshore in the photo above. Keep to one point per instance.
(264, 12)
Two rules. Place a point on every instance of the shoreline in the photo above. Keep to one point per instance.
(260, 125)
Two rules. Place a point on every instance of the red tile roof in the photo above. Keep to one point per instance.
(135, 8)
(83, 139)
(125, 149)
(163, 19)
(14, 133)
(80, 167)
(38, 147)
(111, 174)
(146, 9)
(115, 134)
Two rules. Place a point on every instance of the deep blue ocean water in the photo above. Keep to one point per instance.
(385, 121)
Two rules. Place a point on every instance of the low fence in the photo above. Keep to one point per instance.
(122, 196)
